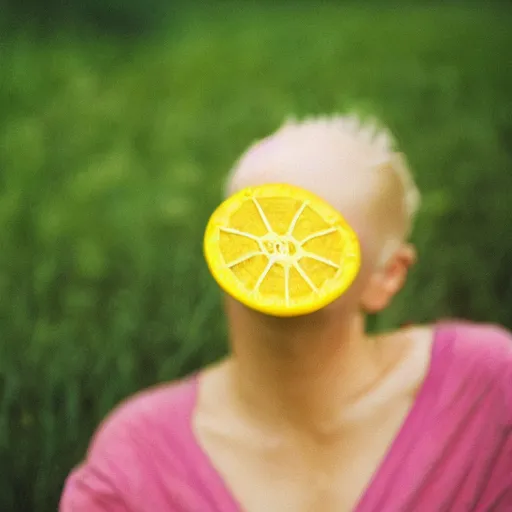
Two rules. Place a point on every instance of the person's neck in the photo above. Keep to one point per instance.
(300, 372)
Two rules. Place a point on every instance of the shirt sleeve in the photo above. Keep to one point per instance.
(503, 339)
(505, 498)
(107, 480)
(136, 462)
(90, 490)
(502, 498)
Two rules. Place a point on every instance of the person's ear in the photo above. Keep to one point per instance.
(388, 280)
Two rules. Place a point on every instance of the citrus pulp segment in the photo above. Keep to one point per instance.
(281, 250)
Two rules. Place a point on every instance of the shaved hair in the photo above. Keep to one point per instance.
(324, 154)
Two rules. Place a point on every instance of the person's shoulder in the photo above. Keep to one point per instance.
(477, 357)
(138, 450)
(158, 412)
(491, 344)
(159, 401)
(468, 354)
(467, 337)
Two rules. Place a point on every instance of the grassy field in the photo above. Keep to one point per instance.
(112, 156)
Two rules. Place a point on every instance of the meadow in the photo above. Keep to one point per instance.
(113, 152)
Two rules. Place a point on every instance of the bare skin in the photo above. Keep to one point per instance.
(311, 438)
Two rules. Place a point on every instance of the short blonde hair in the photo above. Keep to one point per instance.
(362, 144)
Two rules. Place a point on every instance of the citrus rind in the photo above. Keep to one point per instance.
(279, 252)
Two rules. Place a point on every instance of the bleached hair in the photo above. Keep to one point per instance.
(371, 144)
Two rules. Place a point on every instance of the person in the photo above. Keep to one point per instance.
(311, 413)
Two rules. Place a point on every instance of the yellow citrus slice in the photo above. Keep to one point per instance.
(281, 250)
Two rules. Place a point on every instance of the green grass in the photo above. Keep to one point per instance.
(112, 156)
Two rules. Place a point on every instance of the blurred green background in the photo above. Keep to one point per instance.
(119, 122)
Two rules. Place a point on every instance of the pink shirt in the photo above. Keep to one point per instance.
(452, 454)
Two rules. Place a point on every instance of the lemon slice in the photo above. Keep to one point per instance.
(281, 250)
